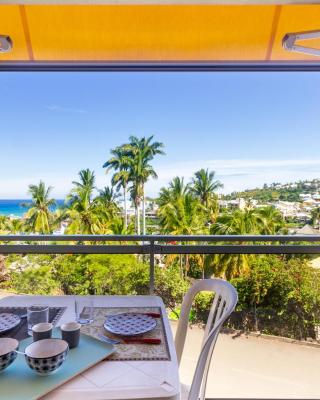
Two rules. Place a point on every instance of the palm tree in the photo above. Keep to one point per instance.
(250, 221)
(39, 216)
(15, 226)
(107, 197)
(119, 162)
(140, 171)
(185, 215)
(315, 214)
(3, 223)
(270, 220)
(82, 212)
(204, 186)
(181, 213)
(58, 216)
(86, 184)
(140, 152)
(106, 203)
(239, 222)
(118, 228)
(175, 189)
(83, 216)
(168, 196)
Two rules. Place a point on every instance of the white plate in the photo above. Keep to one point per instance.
(129, 324)
(8, 321)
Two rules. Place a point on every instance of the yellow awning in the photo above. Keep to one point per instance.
(166, 33)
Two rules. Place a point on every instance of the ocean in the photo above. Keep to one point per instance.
(15, 207)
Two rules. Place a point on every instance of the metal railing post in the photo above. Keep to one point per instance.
(151, 276)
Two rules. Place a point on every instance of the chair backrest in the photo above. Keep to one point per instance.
(224, 302)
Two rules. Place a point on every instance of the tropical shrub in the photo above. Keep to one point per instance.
(33, 280)
(91, 275)
(276, 295)
(101, 274)
(170, 287)
(201, 307)
(280, 297)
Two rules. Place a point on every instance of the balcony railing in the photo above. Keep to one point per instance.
(152, 245)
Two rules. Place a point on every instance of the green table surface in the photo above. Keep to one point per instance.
(19, 382)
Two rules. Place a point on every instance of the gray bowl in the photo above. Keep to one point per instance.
(47, 355)
(8, 352)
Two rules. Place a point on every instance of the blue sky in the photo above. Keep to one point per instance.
(251, 128)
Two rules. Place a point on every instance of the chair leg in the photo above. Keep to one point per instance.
(206, 373)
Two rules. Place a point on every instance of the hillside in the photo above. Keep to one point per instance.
(278, 191)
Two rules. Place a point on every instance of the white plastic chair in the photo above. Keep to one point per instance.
(224, 302)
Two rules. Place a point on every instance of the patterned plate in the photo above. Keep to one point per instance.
(129, 324)
(8, 321)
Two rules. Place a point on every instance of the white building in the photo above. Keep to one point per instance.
(288, 208)
(236, 203)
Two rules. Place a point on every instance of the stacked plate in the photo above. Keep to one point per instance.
(8, 321)
(129, 324)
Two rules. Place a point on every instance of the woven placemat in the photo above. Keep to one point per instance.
(20, 332)
(132, 351)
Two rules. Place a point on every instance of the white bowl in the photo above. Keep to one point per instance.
(46, 355)
(8, 352)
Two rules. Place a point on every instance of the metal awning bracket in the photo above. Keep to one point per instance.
(5, 44)
(290, 39)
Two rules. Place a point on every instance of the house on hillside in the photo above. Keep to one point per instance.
(236, 203)
(288, 208)
(307, 230)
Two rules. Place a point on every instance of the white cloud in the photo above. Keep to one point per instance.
(234, 174)
(240, 174)
(230, 166)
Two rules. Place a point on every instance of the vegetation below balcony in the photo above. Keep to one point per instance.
(278, 295)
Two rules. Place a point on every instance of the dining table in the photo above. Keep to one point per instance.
(125, 379)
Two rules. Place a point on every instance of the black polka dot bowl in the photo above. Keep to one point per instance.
(47, 355)
(8, 352)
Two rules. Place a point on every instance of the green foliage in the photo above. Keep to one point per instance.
(93, 275)
(276, 295)
(201, 307)
(101, 274)
(32, 277)
(184, 216)
(170, 286)
(203, 186)
(253, 287)
(39, 216)
(285, 292)
(132, 165)
(272, 281)
(249, 221)
(189, 208)
(273, 192)
(84, 215)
